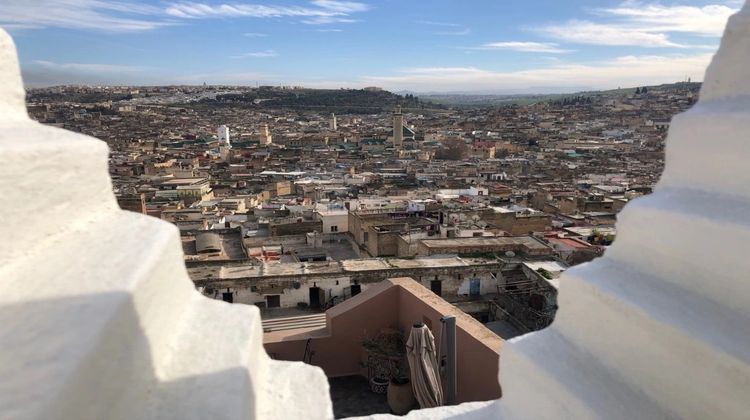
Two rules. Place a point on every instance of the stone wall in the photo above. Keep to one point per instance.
(296, 228)
(295, 289)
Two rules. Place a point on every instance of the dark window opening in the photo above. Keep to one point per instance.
(273, 301)
(315, 297)
(437, 287)
(227, 297)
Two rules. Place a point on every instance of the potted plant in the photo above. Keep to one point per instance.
(388, 369)
(382, 351)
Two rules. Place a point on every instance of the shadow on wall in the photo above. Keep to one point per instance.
(103, 368)
(395, 303)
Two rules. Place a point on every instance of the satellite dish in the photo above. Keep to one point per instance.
(510, 254)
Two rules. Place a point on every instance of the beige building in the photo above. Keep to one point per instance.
(525, 245)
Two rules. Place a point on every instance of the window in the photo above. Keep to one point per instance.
(365, 237)
(227, 297)
(334, 228)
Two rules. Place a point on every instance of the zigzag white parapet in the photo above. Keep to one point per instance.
(727, 75)
(659, 327)
(98, 317)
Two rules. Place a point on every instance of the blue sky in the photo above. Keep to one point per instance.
(491, 46)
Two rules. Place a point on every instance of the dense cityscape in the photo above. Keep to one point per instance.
(329, 209)
(295, 199)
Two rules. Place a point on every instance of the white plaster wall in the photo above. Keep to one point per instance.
(340, 220)
(98, 317)
(487, 285)
(291, 296)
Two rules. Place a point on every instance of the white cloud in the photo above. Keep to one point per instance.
(621, 71)
(319, 12)
(450, 28)
(708, 20)
(138, 15)
(465, 31)
(327, 20)
(640, 24)
(433, 23)
(257, 54)
(344, 7)
(585, 32)
(254, 35)
(101, 15)
(525, 46)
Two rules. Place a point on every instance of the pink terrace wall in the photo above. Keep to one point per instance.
(395, 303)
(477, 347)
(338, 351)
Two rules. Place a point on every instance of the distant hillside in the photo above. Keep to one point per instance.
(345, 101)
(477, 100)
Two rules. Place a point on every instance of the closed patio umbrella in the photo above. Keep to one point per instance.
(423, 364)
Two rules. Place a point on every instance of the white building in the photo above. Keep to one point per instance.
(446, 194)
(223, 134)
(224, 144)
(335, 218)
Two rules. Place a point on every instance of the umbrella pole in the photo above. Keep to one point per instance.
(450, 329)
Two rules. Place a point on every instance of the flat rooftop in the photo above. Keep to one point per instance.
(499, 241)
(343, 268)
(183, 181)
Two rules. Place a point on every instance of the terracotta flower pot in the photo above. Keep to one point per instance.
(401, 397)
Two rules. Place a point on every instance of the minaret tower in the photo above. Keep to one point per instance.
(265, 135)
(398, 129)
(224, 145)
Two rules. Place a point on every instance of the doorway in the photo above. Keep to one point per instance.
(315, 297)
(437, 287)
(474, 287)
(273, 301)
(227, 297)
